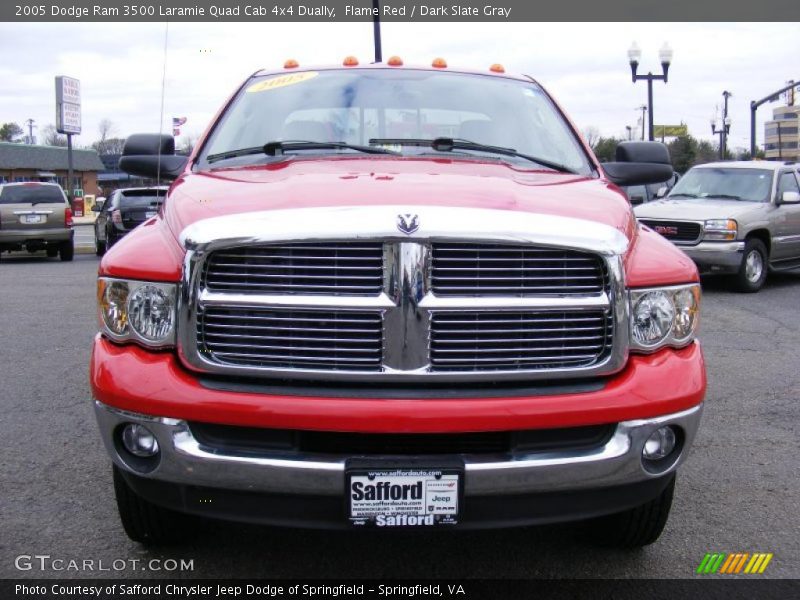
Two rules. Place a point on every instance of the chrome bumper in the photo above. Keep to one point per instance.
(184, 462)
(716, 256)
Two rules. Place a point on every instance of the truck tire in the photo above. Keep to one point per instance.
(637, 526)
(66, 251)
(144, 521)
(753, 270)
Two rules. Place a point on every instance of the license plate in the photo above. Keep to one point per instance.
(150, 214)
(404, 497)
(33, 219)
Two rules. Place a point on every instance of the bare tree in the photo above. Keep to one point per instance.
(107, 144)
(51, 137)
(592, 135)
(187, 143)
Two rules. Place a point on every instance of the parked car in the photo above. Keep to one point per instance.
(396, 297)
(639, 194)
(36, 216)
(740, 218)
(124, 210)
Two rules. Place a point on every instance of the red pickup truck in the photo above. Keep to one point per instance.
(389, 297)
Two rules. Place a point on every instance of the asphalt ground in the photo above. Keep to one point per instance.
(738, 492)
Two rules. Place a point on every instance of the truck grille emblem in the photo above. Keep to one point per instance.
(408, 223)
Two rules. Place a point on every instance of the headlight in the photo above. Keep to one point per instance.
(720, 229)
(137, 310)
(664, 316)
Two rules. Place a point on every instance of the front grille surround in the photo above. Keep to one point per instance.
(399, 306)
(679, 232)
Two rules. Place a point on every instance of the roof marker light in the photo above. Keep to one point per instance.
(395, 61)
(350, 61)
(291, 64)
(497, 68)
(439, 63)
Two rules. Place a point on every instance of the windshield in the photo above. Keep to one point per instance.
(749, 185)
(28, 193)
(357, 106)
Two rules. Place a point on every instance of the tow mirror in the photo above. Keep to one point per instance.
(639, 163)
(790, 198)
(151, 155)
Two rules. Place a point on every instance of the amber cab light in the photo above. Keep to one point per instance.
(395, 61)
(291, 64)
(439, 63)
(497, 68)
(68, 217)
(350, 61)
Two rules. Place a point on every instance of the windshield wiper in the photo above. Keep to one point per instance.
(725, 196)
(683, 196)
(445, 144)
(279, 147)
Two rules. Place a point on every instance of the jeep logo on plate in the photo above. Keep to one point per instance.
(408, 223)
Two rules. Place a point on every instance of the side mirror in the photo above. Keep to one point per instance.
(789, 198)
(662, 191)
(153, 156)
(639, 163)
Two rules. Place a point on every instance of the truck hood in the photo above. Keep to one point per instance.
(696, 209)
(345, 181)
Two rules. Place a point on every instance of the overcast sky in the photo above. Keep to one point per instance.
(584, 65)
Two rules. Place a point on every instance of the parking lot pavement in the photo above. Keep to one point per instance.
(84, 238)
(737, 493)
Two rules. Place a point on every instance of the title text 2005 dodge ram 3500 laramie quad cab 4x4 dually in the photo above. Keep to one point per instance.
(392, 297)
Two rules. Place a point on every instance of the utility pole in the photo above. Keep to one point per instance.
(376, 29)
(643, 108)
(630, 132)
(30, 124)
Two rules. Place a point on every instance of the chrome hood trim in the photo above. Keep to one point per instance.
(379, 222)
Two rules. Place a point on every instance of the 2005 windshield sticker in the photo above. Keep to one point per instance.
(281, 81)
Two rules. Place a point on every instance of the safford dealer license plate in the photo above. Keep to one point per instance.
(404, 497)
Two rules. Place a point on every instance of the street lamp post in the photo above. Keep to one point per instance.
(642, 108)
(665, 56)
(725, 129)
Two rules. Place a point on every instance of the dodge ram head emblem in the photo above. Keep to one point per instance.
(408, 223)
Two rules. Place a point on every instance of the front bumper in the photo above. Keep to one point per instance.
(716, 257)
(132, 385)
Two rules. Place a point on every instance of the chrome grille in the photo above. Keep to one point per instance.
(384, 306)
(470, 269)
(291, 339)
(341, 268)
(491, 341)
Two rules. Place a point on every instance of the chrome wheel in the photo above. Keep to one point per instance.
(754, 266)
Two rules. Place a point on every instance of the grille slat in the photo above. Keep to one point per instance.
(467, 269)
(274, 338)
(530, 340)
(348, 268)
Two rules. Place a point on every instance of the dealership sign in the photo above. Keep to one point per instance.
(68, 105)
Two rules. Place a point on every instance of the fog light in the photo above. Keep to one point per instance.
(139, 440)
(659, 444)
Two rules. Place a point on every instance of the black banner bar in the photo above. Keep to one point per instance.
(732, 588)
(280, 11)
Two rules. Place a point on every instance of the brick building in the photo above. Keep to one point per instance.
(24, 162)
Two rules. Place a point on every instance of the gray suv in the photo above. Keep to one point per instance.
(740, 218)
(36, 216)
